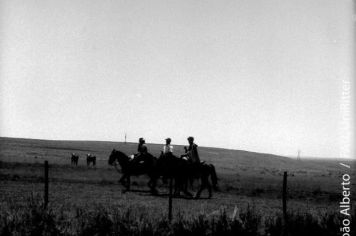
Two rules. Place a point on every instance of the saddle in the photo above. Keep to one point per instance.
(138, 159)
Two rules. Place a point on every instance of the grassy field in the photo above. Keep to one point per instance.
(246, 180)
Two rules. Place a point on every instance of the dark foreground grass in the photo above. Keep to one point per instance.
(33, 219)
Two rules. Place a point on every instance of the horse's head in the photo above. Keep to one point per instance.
(117, 156)
(112, 157)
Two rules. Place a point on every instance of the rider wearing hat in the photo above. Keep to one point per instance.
(166, 155)
(168, 148)
(141, 151)
(142, 148)
(192, 151)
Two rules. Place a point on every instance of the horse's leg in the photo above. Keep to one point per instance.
(176, 186)
(128, 183)
(191, 182)
(202, 187)
(209, 186)
(152, 185)
(121, 180)
(179, 185)
(149, 183)
(185, 187)
(214, 177)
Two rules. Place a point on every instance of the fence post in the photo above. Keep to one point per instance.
(284, 199)
(170, 199)
(284, 195)
(46, 185)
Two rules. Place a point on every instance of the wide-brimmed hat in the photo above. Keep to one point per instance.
(168, 139)
(141, 139)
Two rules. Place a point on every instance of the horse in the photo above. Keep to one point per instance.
(74, 159)
(132, 168)
(91, 159)
(168, 166)
(183, 171)
(204, 171)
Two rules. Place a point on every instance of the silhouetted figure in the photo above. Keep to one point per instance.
(142, 152)
(198, 169)
(167, 154)
(176, 168)
(132, 168)
(193, 151)
(142, 148)
(168, 148)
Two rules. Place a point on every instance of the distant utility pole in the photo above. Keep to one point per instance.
(125, 137)
(298, 157)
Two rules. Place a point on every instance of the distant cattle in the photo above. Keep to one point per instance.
(91, 159)
(74, 159)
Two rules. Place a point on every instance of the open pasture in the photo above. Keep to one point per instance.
(88, 200)
(245, 178)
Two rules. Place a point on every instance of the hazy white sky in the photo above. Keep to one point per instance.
(262, 76)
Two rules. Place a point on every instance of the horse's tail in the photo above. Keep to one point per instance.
(214, 177)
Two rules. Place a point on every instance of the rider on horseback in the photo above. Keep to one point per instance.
(192, 155)
(167, 148)
(142, 148)
(192, 152)
(142, 151)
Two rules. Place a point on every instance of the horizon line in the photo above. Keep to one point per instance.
(91, 140)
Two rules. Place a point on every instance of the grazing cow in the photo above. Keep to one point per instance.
(91, 159)
(74, 159)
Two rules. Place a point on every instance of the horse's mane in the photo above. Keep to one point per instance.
(120, 152)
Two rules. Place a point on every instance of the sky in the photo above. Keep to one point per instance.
(263, 76)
